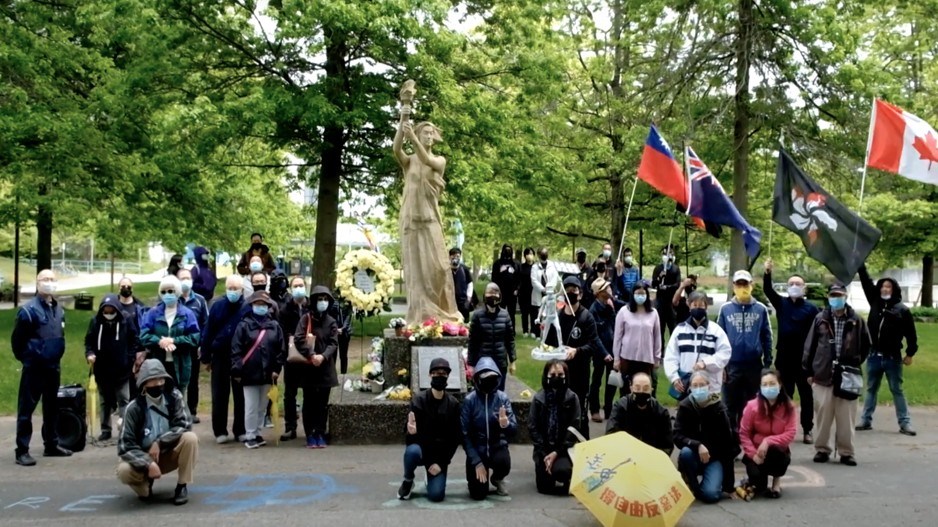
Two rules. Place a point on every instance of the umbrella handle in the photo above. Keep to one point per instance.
(576, 433)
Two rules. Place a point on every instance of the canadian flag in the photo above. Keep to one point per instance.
(903, 144)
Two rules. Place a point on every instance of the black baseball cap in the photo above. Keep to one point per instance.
(440, 363)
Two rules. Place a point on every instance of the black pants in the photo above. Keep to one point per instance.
(795, 377)
(668, 322)
(499, 463)
(465, 312)
(601, 371)
(528, 313)
(741, 386)
(580, 385)
(510, 303)
(37, 382)
(775, 464)
(561, 472)
(223, 386)
(344, 340)
(315, 401)
(192, 395)
(316, 410)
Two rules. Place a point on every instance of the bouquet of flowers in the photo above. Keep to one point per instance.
(397, 323)
(430, 329)
(544, 352)
(455, 329)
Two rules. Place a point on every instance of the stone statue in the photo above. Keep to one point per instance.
(427, 276)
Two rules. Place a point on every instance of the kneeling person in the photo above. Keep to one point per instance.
(555, 408)
(156, 436)
(433, 434)
(488, 422)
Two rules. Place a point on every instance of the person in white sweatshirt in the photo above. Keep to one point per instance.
(696, 344)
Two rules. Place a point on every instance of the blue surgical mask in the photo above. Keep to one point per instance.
(837, 303)
(299, 292)
(186, 285)
(256, 267)
(700, 394)
(260, 311)
(233, 296)
(169, 299)
(640, 299)
(322, 306)
(770, 392)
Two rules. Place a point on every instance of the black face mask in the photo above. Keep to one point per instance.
(558, 384)
(488, 384)
(259, 287)
(439, 383)
(581, 258)
(155, 392)
(574, 298)
(642, 399)
(543, 257)
(127, 292)
(600, 269)
(698, 314)
(492, 301)
(257, 246)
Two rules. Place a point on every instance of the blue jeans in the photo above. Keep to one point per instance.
(436, 485)
(876, 366)
(710, 488)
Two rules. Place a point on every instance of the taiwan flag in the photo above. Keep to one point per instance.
(903, 144)
(659, 169)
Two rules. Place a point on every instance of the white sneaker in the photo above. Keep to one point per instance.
(242, 438)
(221, 440)
(500, 487)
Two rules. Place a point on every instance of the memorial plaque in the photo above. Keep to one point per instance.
(363, 281)
(421, 358)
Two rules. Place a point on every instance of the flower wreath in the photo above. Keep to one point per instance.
(380, 274)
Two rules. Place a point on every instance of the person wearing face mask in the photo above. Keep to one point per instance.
(432, 434)
(133, 312)
(38, 343)
(317, 337)
(706, 441)
(697, 344)
(666, 278)
(766, 432)
(223, 318)
(111, 349)
(603, 309)
(528, 309)
(746, 323)
(580, 341)
(341, 312)
(175, 263)
(554, 409)
(795, 315)
(462, 281)
(627, 275)
(839, 337)
(487, 423)
(544, 279)
(204, 278)
(170, 333)
(267, 264)
(679, 301)
(606, 253)
(294, 306)
(492, 334)
(506, 272)
(156, 437)
(642, 417)
(586, 275)
(891, 321)
(636, 344)
(198, 305)
(258, 351)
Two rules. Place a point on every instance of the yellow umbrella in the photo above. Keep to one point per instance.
(92, 403)
(625, 482)
(274, 395)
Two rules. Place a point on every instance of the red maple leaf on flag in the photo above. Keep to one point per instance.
(927, 148)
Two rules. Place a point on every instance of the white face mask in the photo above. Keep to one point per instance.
(628, 260)
(48, 288)
(666, 260)
(322, 306)
(886, 297)
(110, 316)
(795, 291)
(186, 285)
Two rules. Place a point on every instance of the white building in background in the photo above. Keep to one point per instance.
(156, 253)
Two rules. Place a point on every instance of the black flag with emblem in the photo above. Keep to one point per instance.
(832, 234)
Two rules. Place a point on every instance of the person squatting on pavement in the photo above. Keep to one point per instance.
(111, 347)
(433, 433)
(555, 408)
(766, 432)
(838, 339)
(317, 339)
(890, 321)
(38, 342)
(488, 423)
(156, 436)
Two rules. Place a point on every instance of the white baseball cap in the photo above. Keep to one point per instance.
(742, 276)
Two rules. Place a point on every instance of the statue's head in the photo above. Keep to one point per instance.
(427, 133)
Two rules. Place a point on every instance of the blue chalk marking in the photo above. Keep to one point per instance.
(256, 491)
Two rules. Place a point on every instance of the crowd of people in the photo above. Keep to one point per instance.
(732, 402)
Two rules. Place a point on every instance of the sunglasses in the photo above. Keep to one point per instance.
(167, 291)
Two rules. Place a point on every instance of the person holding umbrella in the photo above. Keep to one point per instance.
(554, 409)
(111, 350)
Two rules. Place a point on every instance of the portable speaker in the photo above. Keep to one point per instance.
(71, 424)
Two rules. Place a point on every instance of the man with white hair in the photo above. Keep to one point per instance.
(223, 319)
(170, 333)
(38, 342)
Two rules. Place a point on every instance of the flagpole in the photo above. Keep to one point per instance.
(866, 160)
(628, 211)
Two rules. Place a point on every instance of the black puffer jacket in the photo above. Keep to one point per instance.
(890, 320)
(492, 335)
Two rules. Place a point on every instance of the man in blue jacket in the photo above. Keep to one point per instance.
(488, 422)
(795, 317)
(223, 318)
(199, 306)
(38, 342)
(603, 309)
(745, 321)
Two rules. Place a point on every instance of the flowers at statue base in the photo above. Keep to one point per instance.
(373, 370)
(399, 393)
(432, 328)
(403, 377)
(367, 293)
(397, 323)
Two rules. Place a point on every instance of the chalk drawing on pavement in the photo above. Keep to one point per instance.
(797, 476)
(256, 491)
(457, 498)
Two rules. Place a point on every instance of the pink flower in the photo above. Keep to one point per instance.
(463, 331)
(429, 322)
(451, 328)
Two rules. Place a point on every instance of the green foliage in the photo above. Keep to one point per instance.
(925, 312)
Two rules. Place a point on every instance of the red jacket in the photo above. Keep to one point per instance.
(775, 428)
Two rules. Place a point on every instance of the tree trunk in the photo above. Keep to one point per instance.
(928, 280)
(616, 192)
(43, 233)
(333, 147)
(738, 259)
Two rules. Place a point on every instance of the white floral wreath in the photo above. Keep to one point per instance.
(379, 270)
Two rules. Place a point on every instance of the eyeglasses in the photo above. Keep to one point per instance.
(48, 280)
(167, 291)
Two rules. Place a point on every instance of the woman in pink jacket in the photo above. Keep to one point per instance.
(765, 434)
